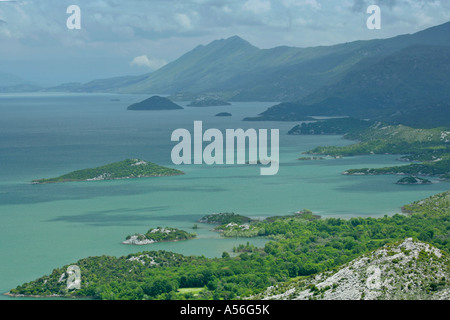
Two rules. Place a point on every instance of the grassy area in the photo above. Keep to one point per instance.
(193, 291)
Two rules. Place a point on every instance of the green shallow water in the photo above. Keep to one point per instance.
(47, 226)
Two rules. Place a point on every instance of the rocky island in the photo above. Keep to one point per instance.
(155, 103)
(413, 180)
(159, 235)
(127, 169)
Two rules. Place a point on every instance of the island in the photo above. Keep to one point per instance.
(127, 169)
(312, 158)
(225, 217)
(159, 235)
(232, 225)
(155, 103)
(208, 102)
(335, 126)
(413, 180)
(224, 114)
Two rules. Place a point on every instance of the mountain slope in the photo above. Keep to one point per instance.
(399, 88)
(407, 270)
(240, 71)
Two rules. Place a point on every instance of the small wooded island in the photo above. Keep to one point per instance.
(224, 114)
(413, 180)
(127, 169)
(159, 235)
(155, 103)
(232, 225)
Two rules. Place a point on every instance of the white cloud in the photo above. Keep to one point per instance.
(301, 3)
(144, 61)
(258, 6)
(183, 20)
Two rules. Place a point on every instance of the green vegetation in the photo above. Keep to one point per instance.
(428, 148)
(225, 218)
(160, 235)
(300, 247)
(339, 126)
(428, 168)
(437, 205)
(127, 169)
(234, 230)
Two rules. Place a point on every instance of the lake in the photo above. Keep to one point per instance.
(48, 226)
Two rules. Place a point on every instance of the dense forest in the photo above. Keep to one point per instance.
(302, 245)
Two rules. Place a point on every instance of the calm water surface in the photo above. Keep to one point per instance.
(48, 226)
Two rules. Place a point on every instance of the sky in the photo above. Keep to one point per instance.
(130, 37)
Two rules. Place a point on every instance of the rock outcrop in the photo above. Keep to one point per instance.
(408, 270)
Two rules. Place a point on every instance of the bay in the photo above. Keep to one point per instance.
(48, 226)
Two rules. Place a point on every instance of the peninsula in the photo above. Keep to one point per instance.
(127, 169)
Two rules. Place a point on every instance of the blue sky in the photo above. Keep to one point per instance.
(121, 37)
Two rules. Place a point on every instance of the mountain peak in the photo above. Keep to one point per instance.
(234, 41)
(236, 38)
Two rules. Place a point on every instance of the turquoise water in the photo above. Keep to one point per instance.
(47, 226)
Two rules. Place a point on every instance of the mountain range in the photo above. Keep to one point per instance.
(394, 80)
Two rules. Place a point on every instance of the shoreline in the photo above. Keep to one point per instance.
(36, 182)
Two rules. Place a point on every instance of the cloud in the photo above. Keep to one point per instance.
(301, 3)
(183, 21)
(360, 5)
(257, 6)
(144, 61)
(118, 30)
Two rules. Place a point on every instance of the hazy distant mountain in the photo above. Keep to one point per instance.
(240, 71)
(11, 83)
(411, 87)
(7, 79)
